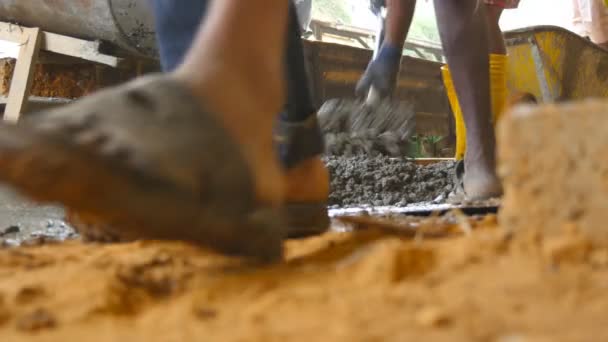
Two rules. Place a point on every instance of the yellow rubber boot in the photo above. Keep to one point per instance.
(461, 133)
(498, 85)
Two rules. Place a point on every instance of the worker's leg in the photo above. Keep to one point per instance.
(187, 155)
(177, 22)
(498, 61)
(299, 106)
(498, 80)
(498, 64)
(298, 137)
(398, 22)
(463, 32)
(176, 26)
(382, 72)
(496, 41)
(241, 77)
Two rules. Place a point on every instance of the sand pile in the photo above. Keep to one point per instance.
(368, 285)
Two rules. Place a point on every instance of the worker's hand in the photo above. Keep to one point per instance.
(381, 73)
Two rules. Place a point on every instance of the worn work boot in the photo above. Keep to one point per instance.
(297, 136)
(299, 146)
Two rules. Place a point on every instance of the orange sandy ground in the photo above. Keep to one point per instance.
(363, 286)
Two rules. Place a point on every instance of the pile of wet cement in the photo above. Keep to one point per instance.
(365, 154)
(351, 127)
(363, 180)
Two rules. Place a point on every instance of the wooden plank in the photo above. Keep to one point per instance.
(429, 161)
(69, 46)
(36, 103)
(23, 75)
(78, 48)
(363, 43)
(12, 33)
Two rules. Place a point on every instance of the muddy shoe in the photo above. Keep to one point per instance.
(146, 158)
(299, 146)
(302, 219)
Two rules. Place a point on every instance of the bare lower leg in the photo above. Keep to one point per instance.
(241, 79)
(463, 31)
(399, 20)
(495, 38)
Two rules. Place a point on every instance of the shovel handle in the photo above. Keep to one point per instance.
(373, 97)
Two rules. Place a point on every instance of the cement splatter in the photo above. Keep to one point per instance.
(366, 155)
(350, 127)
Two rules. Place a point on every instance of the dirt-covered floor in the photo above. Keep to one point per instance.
(391, 278)
(455, 280)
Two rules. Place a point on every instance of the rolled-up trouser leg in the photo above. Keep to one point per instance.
(299, 135)
(299, 102)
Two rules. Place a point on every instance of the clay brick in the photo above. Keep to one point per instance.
(552, 160)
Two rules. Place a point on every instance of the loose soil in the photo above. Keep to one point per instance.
(373, 284)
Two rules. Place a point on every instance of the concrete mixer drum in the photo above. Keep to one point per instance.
(128, 24)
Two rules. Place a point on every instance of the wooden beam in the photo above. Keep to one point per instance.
(74, 47)
(362, 42)
(420, 54)
(23, 74)
(321, 28)
(12, 33)
(64, 45)
(430, 161)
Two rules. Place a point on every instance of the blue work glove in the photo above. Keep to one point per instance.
(382, 72)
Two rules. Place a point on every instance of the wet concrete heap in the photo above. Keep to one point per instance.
(382, 181)
(365, 154)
